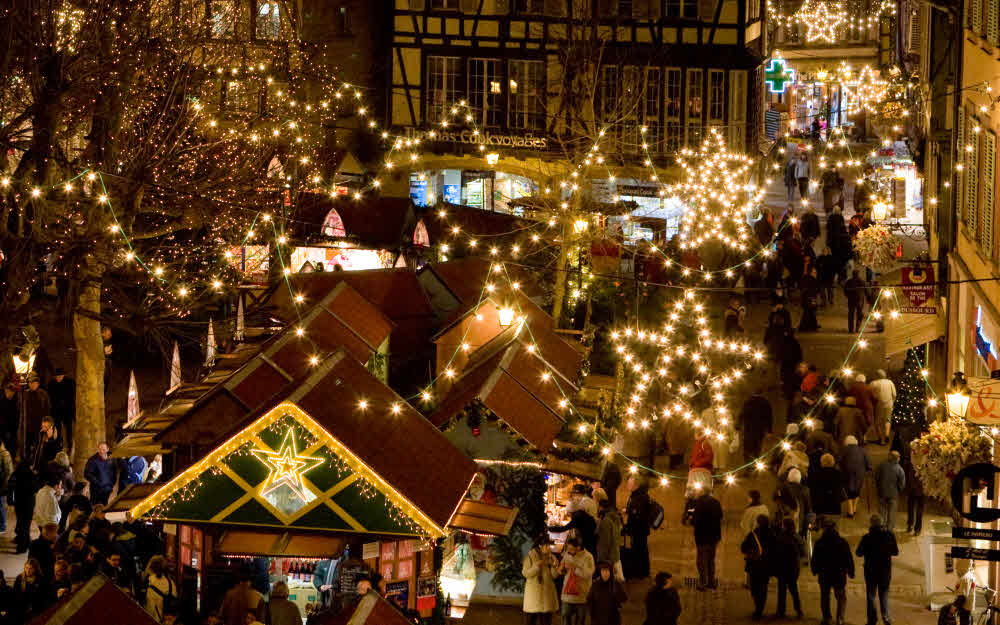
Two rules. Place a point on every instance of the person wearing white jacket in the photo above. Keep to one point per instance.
(884, 392)
(539, 569)
(578, 568)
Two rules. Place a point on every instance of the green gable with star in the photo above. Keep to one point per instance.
(286, 471)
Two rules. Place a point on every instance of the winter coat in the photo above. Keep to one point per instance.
(539, 587)
(866, 399)
(810, 225)
(878, 547)
(890, 480)
(100, 474)
(638, 511)
(37, 405)
(832, 561)
(611, 479)
(820, 437)
(827, 487)
(757, 419)
(32, 597)
(609, 537)
(663, 606)
(585, 527)
(788, 551)
(707, 520)
(764, 539)
(605, 601)
(790, 173)
(794, 459)
(581, 567)
(749, 519)
(854, 464)
(826, 268)
(850, 421)
(702, 454)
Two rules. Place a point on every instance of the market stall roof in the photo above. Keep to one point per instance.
(465, 277)
(371, 610)
(369, 462)
(342, 318)
(97, 601)
(508, 378)
(132, 495)
(484, 518)
(374, 221)
(468, 219)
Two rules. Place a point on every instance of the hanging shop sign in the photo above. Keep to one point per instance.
(778, 75)
(984, 402)
(974, 493)
(919, 290)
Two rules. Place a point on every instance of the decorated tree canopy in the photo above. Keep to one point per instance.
(286, 470)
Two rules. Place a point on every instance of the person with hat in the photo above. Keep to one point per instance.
(606, 597)
(37, 406)
(62, 392)
(884, 392)
(579, 499)
(877, 547)
(850, 421)
(663, 603)
(539, 570)
(832, 563)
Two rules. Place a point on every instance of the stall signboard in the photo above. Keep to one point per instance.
(405, 548)
(984, 403)
(398, 592)
(919, 290)
(369, 551)
(349, 576)
(426, 593)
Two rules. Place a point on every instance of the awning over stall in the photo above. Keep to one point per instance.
(483, 518)
(286, 544)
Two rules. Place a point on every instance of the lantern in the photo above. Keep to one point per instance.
(880, 210)
(506, 315)
(957, 396)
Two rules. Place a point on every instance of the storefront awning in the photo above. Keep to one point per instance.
(912, 330)
(251, 543)
(483, 518)
(129, 497)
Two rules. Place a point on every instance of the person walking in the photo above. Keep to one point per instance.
(793, 501)
(707, 522)
(609, 537)
(854, 466)
(890, 482)
(915, 495)
(577, 571)
(854, 291)
(606, 597)
(832, 563)
(539, 569)
(862, 393)
(810, 290)
(788, 553)
(790, 182)
(884, 392)
(663, 603)
(826, 484)
(850, 422)
(638, 515)
(826, 271)
(809, 226)
(757, 419)
(753, 510)
(878, 547)
(802, 172)
(758, 552)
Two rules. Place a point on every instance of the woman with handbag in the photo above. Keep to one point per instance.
(758, 548)
(539, 569)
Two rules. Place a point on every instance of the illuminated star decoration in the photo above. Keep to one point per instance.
(822, 19)
(287, 467)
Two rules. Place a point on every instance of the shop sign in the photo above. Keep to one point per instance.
(969, 553)
(369, 551)
(635, 190)
(919, 290)
(778, 75)
(528, 140)
(426, 593)
(975, 485)
(398, 593)
(984, 403)
(452, 194)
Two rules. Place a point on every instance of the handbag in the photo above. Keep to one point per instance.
(571, 587)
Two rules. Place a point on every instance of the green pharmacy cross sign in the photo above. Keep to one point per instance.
(778, 75)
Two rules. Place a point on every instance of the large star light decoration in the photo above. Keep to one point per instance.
(822, 20)
(287, 466)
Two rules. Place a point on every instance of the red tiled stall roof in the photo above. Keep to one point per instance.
(465, 278)
(374, 221)
(371, 610)
(97, 601)
(509, 382)
(404, 448)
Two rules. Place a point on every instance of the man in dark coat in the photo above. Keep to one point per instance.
(663, 603)
(889, 482)
(585, 526)
(810, 288)
(788, 552)
(37, 405)
(826, 272)
(877, 547)
(832, 563)
(854, 289)
(100, 472)
(10, 417)
(637, 524)
(611, 479)
(757, 419)
(809, 226)
(707, 522)
(62, 392)
(758, 551)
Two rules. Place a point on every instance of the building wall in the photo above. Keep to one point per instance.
(974, 256)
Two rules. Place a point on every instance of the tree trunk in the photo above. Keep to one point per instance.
(90, 429)
(559, 293)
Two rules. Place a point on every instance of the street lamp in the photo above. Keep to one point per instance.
(880, 210)
(957, 396)
(23, 365)
(492, 159)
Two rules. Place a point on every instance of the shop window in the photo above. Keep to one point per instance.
(268, 24)
(716, 92)
(608, 92)
(527, 94)
(631, 108)
(682, 8)
(442, 86)
(674, 139)
(485, 91)
(222, 18)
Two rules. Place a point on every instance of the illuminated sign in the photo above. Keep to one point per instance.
(778, 75)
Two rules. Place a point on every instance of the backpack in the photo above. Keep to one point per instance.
(170, 600)
(655, 514)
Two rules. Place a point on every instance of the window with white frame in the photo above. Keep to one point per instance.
(442, 86)
(222, 18)
(608, 93)
(527, 94)
(716, 94)
(673, 93)
(695, 94)
(651, 110)
(268, 21)
(486, 94)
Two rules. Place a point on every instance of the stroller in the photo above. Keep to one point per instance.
(698, 481)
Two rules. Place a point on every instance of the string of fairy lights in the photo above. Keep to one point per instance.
(827, 21)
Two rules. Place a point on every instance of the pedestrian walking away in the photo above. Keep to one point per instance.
(889, 483)
(707, 521)
(878, 547)
(802, 172)
(854, 291)
(758, 552)
(788, 553)
(832, 563)
(884, 392)
(854, 466)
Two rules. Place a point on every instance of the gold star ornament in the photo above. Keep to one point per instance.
(286, 466)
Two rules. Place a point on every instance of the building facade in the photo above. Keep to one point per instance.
(538, 79)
